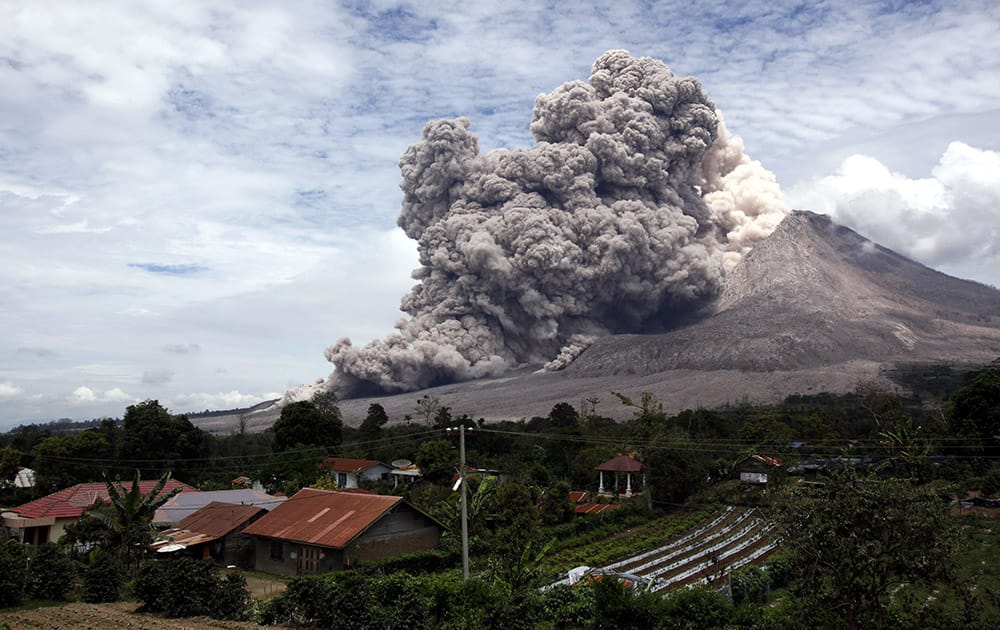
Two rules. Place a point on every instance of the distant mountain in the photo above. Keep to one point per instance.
(814, 294)
(814, 308)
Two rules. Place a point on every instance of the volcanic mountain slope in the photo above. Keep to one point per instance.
(813, 308)
(814, 294)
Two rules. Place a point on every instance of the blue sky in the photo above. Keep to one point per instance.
(196, 198)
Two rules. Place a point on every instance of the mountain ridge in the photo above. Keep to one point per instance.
(813, 308)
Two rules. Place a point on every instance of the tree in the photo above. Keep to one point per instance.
(556, 507)
(371, 426)
(437, 460)
(304, 424)
(155, 439)
(853, 539)
(565, 416)
(129, 525)
(976, 408)
(64, 460)
(427, 408)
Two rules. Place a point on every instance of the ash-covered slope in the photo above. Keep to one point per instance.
(814, 294)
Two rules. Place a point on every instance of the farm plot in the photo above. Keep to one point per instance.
(729, 540)
(99, 616)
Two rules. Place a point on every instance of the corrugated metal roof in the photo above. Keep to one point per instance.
(183, 505)
(770, 460)
(211, 522)
(325, 518)
(346, 465)
(71, 502)
(621, 463)
(595, 508)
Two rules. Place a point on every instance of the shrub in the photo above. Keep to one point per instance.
(187, 587)
(750, 585)
(11, 572)
(415, 563)
(50, 573)
(102, 578)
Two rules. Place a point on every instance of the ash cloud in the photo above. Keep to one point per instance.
(624, 217)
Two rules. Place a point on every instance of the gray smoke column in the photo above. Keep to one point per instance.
(624, 216)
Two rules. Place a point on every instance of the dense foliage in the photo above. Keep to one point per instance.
(186, 587)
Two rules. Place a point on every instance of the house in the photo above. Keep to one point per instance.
(177, 508)
(349, 473)
(621, 465)
(761, 469)
(213, 531)
(45, 519)
(317, 531)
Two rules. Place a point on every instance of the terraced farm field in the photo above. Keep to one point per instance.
(730, 539)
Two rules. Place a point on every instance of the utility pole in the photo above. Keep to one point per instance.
(464, 495)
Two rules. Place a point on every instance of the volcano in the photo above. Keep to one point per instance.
(815, 307)
(816, 294)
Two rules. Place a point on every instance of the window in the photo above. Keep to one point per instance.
(277, 550)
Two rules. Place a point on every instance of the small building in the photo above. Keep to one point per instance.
(350, 473)
(25, 478)
(213, 531)
(183, 505)
(618, 467)
(761, 469)
(45, 519)
(317, 531)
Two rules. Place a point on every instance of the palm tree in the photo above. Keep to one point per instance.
(129, 522)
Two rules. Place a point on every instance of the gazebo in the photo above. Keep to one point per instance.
(620, 464)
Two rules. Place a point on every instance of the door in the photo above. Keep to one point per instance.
(308, 561)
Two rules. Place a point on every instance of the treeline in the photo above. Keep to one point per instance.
(956, 440)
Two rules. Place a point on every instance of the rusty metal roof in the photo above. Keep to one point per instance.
(595, 508)
(770, 460)
(345, 465)
(211, 522)
(325, 518)
(621, 463)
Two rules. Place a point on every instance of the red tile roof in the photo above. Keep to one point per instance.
(621, 463)
(326, 518)
(73, 501)
(345, 465)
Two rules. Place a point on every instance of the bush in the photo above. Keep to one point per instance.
(50, 573)
(102, 578)
(187, 587)
(750, 585)
(11, 571)
(415, 563)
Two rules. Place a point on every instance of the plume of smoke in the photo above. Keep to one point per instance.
(626, 214)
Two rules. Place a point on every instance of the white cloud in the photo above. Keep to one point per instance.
(84, 395)
(9, 390)
(948, 220)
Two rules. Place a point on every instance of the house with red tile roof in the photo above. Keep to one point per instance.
(45, 519)
(317, 531)
(349, 473)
